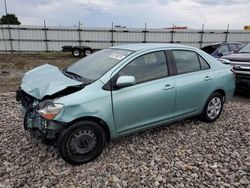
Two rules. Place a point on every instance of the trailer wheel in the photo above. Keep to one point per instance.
(87, 52)
(76, 52)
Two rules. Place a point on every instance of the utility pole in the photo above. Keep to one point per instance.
(226, 38)
(6, 13)
(202, 33)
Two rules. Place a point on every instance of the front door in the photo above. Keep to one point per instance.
(151, 100)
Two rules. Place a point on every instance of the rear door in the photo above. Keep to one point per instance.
(194, 82)
(151, 100)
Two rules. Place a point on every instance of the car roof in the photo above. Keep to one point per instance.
(220, 43)
(149, 46)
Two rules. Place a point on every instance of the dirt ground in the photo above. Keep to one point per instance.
(13, 66)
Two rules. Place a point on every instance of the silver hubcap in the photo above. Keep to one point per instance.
(214, 108)
(76, 52)
(82, 141)
(87, 52)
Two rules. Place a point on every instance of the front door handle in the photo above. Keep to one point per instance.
(168, 86)
(207, 78)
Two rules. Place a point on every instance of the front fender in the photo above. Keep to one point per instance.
(92, 101)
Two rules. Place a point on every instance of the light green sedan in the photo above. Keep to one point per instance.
(119, 91)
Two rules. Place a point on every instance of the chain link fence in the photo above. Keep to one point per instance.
(18, 38)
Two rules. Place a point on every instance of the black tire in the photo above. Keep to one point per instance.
(74, 142)
(76, 52)
(25, 119)
(212, 112)
(87, 51)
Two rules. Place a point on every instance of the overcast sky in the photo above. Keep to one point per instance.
(215, 14)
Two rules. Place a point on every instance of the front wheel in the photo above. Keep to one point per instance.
(213, 108)
(81, 142)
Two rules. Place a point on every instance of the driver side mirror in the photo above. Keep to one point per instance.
(124, 81)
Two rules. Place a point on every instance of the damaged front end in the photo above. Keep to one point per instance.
(34, 122)
(39, 89)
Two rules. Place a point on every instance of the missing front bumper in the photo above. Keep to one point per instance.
(42, 128)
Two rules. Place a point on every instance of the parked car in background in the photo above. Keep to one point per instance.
(121, 90)
(241, 66)
(77, 51)
(217, 50)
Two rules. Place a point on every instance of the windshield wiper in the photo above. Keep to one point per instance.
(75, 76)
(72, 75)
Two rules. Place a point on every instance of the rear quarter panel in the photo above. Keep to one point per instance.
(224, 77)
(225, 80)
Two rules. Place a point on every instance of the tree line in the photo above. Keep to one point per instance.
(10, 19)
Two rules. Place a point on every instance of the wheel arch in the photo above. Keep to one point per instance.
(203, 115)
(222, 92)
(87, 48)
(76, 48)
(97, 120)
(82, 48)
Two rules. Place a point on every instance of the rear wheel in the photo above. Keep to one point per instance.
(76, 52)
(213, 107)
(81, 142)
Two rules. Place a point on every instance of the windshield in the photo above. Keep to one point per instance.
(94, 66)
(245, 49)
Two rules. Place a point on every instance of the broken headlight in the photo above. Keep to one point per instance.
(50, 110)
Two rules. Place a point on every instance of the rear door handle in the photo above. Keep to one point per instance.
(207, 78)
(168, 86)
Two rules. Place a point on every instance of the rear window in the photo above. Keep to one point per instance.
(204, 64)
(210, 49)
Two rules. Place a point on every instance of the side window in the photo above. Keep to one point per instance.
(240, 46)
(232, 47)
(204, 64)
(147, 67)
(223, 49)
(186, 61)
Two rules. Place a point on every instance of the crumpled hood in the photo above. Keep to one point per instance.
(46, 80)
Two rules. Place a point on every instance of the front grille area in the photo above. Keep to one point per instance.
(25, 99)
(243, 76)
(243, 81)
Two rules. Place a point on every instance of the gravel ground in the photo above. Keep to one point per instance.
(188, 153)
